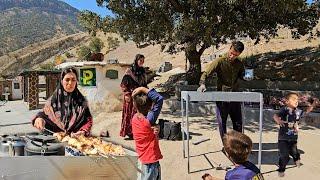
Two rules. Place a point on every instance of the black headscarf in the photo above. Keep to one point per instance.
(136, 73)
(135, 68)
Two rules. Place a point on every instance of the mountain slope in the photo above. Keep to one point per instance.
(35, 54)
(25, 22)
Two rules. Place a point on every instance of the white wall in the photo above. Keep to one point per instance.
(104, 85)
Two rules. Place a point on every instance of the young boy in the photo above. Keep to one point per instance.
(145, 132)
(238, 147)
(288, 118)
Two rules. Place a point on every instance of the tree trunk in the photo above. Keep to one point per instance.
(194, 72)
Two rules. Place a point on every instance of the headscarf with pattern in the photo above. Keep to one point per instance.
(64, 109)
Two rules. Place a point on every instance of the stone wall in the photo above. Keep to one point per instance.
(33, 95)
(25, 88)
(52, 81)
(281, 85)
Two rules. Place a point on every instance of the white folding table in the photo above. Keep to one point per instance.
(192, 96)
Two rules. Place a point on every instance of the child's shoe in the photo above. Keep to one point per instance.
(298, 163)
(281, 174)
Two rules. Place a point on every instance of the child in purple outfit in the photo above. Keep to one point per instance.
(238, 147)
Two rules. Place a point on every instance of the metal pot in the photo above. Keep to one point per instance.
(12, 145)
(43, 145)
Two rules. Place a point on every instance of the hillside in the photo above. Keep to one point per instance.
(25, 22)
(283, 58)
(154, 57)
(31, 56)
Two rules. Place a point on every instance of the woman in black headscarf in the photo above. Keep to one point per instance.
(135, 76)
(67, 109)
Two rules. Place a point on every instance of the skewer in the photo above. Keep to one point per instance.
(48, 130)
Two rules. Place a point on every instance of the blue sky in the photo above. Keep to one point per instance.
(92, 6)
(89, 5)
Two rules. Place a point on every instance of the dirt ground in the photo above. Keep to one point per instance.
(206, 156)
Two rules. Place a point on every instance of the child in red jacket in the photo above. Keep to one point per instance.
(145, 131)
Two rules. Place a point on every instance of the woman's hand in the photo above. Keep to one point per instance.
(39, 123)
(79, 133)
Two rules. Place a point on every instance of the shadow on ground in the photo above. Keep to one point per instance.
(269, 154)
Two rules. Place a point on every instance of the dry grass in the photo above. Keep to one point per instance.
(154, 57)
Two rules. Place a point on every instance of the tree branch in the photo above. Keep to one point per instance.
(203, 48)
(100, 2)
(177, 6)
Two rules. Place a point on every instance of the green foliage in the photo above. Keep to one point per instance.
(248, 60)
(47, 66)
(90, 21)
(84, 53)
(26, 22)
(96, 45)
(68, 54)
(107, 26)
(207, 23)
(113, 43)
(193, 26)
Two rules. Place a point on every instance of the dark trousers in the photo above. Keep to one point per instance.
(287, 148)
(234, 110)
